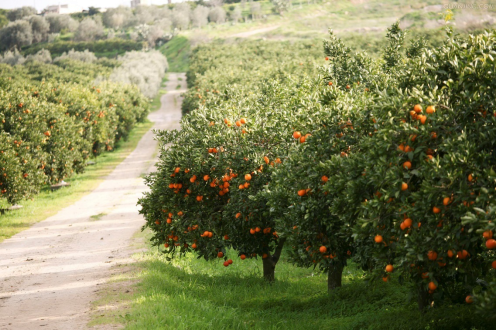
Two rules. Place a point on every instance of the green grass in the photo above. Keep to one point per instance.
(177, 51)
(190, 293)
(155, 102)
(48, 203)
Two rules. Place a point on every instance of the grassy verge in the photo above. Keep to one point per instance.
(189, 293)
(177, 51)
(155, 103)
(48, 203)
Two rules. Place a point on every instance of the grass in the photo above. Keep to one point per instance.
(155, 102)
(177, 51)
(48, 203)
(191, 293)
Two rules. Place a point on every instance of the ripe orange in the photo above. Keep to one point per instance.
(491, 244)
(385, 279)
(330, 84)
(323, 249)
(425, 275)
(238, 123)
(241, 186)
(408, 222)
(450, 253)
(246, 185)
(325, 179)
(226, 237)
(433, 135)
(199, 198)
(487, 234)
(264, 256)
(220, 254)
(436, 210)
(404, 186)
(47, 133)
(242, 256)
(470, 177)
(432, 286)
(401, 147)
(177, 170)
(462, 255)
(407, 165)
(257, 229)
(302, 192)
(206, 177)
(247, 177)
(469, 299)
(169, 221)
(493, 264)
(389, 268)
(302, 139)
(230, 261)
(417, 108)
(157, 222)
(194, 246)
(430, 110)
(238, 215)
(446, 201)
(266, 159)
(252, 231)
(422, 118)
(296, 134)
(166, 245)
(378, 239)
(431, 255)
(226, 264)
(243, 121)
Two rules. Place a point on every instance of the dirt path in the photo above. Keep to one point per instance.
(253, 32)
(49, 274)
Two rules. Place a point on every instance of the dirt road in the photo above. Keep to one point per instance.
(49, 274)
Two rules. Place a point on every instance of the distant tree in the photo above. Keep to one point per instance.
(3, 20)
(86, 56)
(236, 14)
(15, 35)
(281, 6)
(19, 13)
(40, 28)
(119, 17)
(93, 11)
(144, 14)
(199, 17)
(181, 15)
(164, 24)
(89, 29)
(216, 3)
(217, 15)
(12, 57)
(61, 22)
(256, 10)
(42, 56)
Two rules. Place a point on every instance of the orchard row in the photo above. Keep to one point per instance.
(387, 162)
(50, 128)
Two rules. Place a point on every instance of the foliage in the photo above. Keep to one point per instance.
(16, 35)
(101, 46)
(20, 13)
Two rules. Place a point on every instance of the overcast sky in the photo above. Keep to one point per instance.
(41, 4)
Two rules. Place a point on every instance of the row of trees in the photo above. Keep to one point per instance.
(54, 117)
(387, 162)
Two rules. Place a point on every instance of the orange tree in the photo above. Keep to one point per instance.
(431, 165)
(203, 197)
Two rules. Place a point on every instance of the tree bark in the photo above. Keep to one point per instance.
(269, 263)
(422, 298)
(334, 276)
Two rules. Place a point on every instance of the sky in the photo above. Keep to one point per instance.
(41, 4)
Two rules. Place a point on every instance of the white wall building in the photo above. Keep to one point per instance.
(63, 9)
(136, 3)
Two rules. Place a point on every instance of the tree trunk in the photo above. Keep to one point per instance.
(334, 276)
(269, 263)
(422, 298)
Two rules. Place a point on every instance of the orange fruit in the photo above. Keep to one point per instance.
(230, 261)
(431, 255)
(407, 165)
(432, 286)
(450, 253)
(487, 234)
(462, 255)
(199, 198)
(469, 299)
(264, 256)
(257, 229)
(206, 177)
(246, 185)
(302, 192)
(378, 239)
(491, 244)
(296, 134)
(238, 215)
(243, 121)
(323, 249)
(385, 279)
(417, 108)
(247, 177)
(408, 222)
(220, 254)
(266, 159)
(401, 147)
(436, 210)
(493, 264)
(242, 256)
(325, 179)
(226, 264)
(404, 186)
(330, 84)
(446, 201)
(252, 231)
(470, 177)
(226, 237)
(430, 110)
(169, 221)
(302, 139)
(425, 275)
(166, 245)
(194, 246)
(389, 268)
